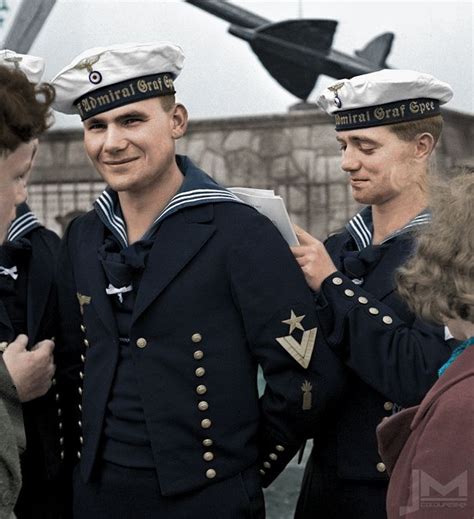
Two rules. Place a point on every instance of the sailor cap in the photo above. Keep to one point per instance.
(384, 97)
(104, 78)
(31, 66)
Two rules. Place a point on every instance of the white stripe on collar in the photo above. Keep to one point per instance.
(360, 227)
(22, 225)
(116, 224)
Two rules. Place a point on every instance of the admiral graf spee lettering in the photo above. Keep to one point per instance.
(387, 113)
(140, 88)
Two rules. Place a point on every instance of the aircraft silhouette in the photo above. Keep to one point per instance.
(296, 52)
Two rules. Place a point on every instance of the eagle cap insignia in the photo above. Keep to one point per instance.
(83, 300)
(303, 350)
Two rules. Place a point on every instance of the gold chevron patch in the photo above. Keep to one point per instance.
(300, 351)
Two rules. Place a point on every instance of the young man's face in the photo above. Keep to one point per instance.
(380, 165)
(14, 170)
(133, 146)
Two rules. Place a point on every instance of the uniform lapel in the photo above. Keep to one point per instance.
(178, 240)
(92, 277)
(40, 279)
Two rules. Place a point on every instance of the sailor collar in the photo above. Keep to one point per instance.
(24, 222)
(197, 188)
(361, 227)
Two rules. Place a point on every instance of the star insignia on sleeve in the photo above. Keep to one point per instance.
(294, 322)
(300, 351)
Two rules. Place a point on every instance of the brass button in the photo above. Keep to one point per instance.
(78, 455)
(60, 425)
(61, 441)
(79, 390)
(349, 292)
(201, 390)
(262, 472)
(56, 397)
(83, 328)
(387, 319)
(203, 405)
(211, 473)
(208, 456)
(81, 375)
(363, 300)
(81, 440)
(60, 412)
(79, 423)
(280, 448)
(198, 354)
(206, 423)
(381, 467)
(53, 382)
(374, 311)
(388, 406)
(80, 407)
(196, 337)
(273, 456)
(83, 358)
(207, 442)
(337, 281)
(267, 465)
(86, 343)
(141, 342)
(62, 455)
(200, 372)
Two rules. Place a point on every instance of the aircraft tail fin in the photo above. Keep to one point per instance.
(278, 47)
(378, 49)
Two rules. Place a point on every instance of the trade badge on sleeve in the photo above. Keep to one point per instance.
(303, 350)
(306, 387)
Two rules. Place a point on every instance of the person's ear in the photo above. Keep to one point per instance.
(179, 118)
(424, 146)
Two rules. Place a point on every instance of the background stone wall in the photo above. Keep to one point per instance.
(295, 154)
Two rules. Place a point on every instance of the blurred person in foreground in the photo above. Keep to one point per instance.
(27, 303)
(428, 449)
(387, 125)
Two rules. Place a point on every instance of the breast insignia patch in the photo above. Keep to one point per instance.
(303, 350)
(83, 300)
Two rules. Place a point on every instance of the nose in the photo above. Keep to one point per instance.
(350, 161)
(114, 140)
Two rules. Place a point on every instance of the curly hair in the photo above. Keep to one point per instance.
(438, 280)
(24, 109)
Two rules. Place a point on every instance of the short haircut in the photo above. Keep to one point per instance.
(407, 131)
(168, 102)
(438, 281)
(24, 109)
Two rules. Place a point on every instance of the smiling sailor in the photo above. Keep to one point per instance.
(172, 292)
(387, 124)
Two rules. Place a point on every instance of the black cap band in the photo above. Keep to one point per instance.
(124, 93)
(389, 113)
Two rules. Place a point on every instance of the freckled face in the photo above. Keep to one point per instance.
(379, 164)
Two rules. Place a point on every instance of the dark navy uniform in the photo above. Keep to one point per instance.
(216, 292)
(392, 360)
(28, 305)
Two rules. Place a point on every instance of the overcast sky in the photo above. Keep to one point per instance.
(222, 77)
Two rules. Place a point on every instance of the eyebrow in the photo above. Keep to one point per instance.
(119, 119)
(358, 140)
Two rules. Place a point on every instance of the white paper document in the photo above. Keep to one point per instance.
(270, 205)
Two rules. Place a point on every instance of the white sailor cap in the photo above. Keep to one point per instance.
(31, 66)
(384, 97)
(104, 78)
